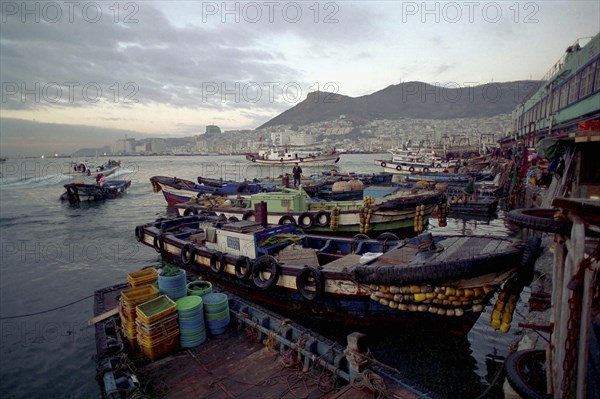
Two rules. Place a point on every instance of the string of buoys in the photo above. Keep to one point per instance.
(335, 218)
(365, 214)
(420, 219)
(505, 305)
(440, 300)
(442, 212)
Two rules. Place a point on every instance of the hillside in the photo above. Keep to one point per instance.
(416, 100)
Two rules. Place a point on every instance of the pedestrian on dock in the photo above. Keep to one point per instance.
(297, 173)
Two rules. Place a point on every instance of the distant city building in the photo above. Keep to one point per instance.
(158, 146)
(212, 129)
(124, 146)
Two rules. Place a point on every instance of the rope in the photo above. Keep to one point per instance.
(372, 381)
(45, 311)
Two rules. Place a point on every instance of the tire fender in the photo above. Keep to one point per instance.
(302, 220)
(139, 233)
(243, 267)
(319, 218)
(188, 253)
(303, 281)
(217, 262)
(265, 263)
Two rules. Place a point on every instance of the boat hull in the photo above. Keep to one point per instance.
(320, 160)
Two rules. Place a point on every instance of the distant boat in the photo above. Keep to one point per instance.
(415, 161)
(88, 169)
(439, 284)
(79, 191)
(290, 157)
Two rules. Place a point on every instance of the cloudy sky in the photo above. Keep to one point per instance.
(170, 68)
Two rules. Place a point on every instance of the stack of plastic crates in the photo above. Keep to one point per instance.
(142, 277)
(157, 327)
(130, 299)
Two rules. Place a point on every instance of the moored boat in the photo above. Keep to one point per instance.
(176, 190)
(403, 211)
(290, 157)
(441, 284)
(79, 191)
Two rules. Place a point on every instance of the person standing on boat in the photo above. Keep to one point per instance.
(100, 179)
(469, 192)
(297, 173)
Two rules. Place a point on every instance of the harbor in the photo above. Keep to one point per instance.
(300, 211)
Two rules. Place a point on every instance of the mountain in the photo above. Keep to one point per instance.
(415, 100)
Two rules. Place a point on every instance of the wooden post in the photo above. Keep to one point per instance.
(357, 346)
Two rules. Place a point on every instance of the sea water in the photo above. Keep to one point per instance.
(55, 255)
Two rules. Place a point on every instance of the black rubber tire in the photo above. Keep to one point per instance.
(265, 263)
(425, 170)
(248, 214)
(188, 253)
(387, 237)
(383, 164)
(439, 166)
(361, 237)
(398, 168)
(287, 219)
(139, 233)
(539, 219)
(303, 281)
(306, 224)
(243, 268)
(217, 262)
(190, 211)
(531, 252)
(411, 169)
(233, 219)
(159, 243)
(319, 218)
(523, 364)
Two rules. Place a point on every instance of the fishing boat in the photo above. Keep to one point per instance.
(441, 284)
(403, 211)
(176, 190)
(289, 157)
(79, 191)
(416, 161)
(87, 169)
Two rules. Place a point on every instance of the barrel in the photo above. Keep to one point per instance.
(216, 312)
(191, 321)
(173, 286)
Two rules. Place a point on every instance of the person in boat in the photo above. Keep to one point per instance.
(469, 193)
(100, 179)
(297, 173)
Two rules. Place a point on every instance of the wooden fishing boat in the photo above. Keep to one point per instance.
(441, 284)
(291, 157)
(415, 161)
(401, 212)
(79, 191)
(176, 190)
(482, 207)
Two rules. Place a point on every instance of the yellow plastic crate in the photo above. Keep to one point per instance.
(141, 277)
(156, 309)
(138, 295)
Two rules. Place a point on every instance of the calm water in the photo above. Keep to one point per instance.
(54, 254)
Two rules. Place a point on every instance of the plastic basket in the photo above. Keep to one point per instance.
(138, 295)
(160, 348)
(141, 277)
(156, 309)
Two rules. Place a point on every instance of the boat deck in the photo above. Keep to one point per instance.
(246, 363)
(235, 365)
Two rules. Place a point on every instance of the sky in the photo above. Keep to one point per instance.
(171, 68)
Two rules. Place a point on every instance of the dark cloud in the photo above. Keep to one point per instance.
(152, 61)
